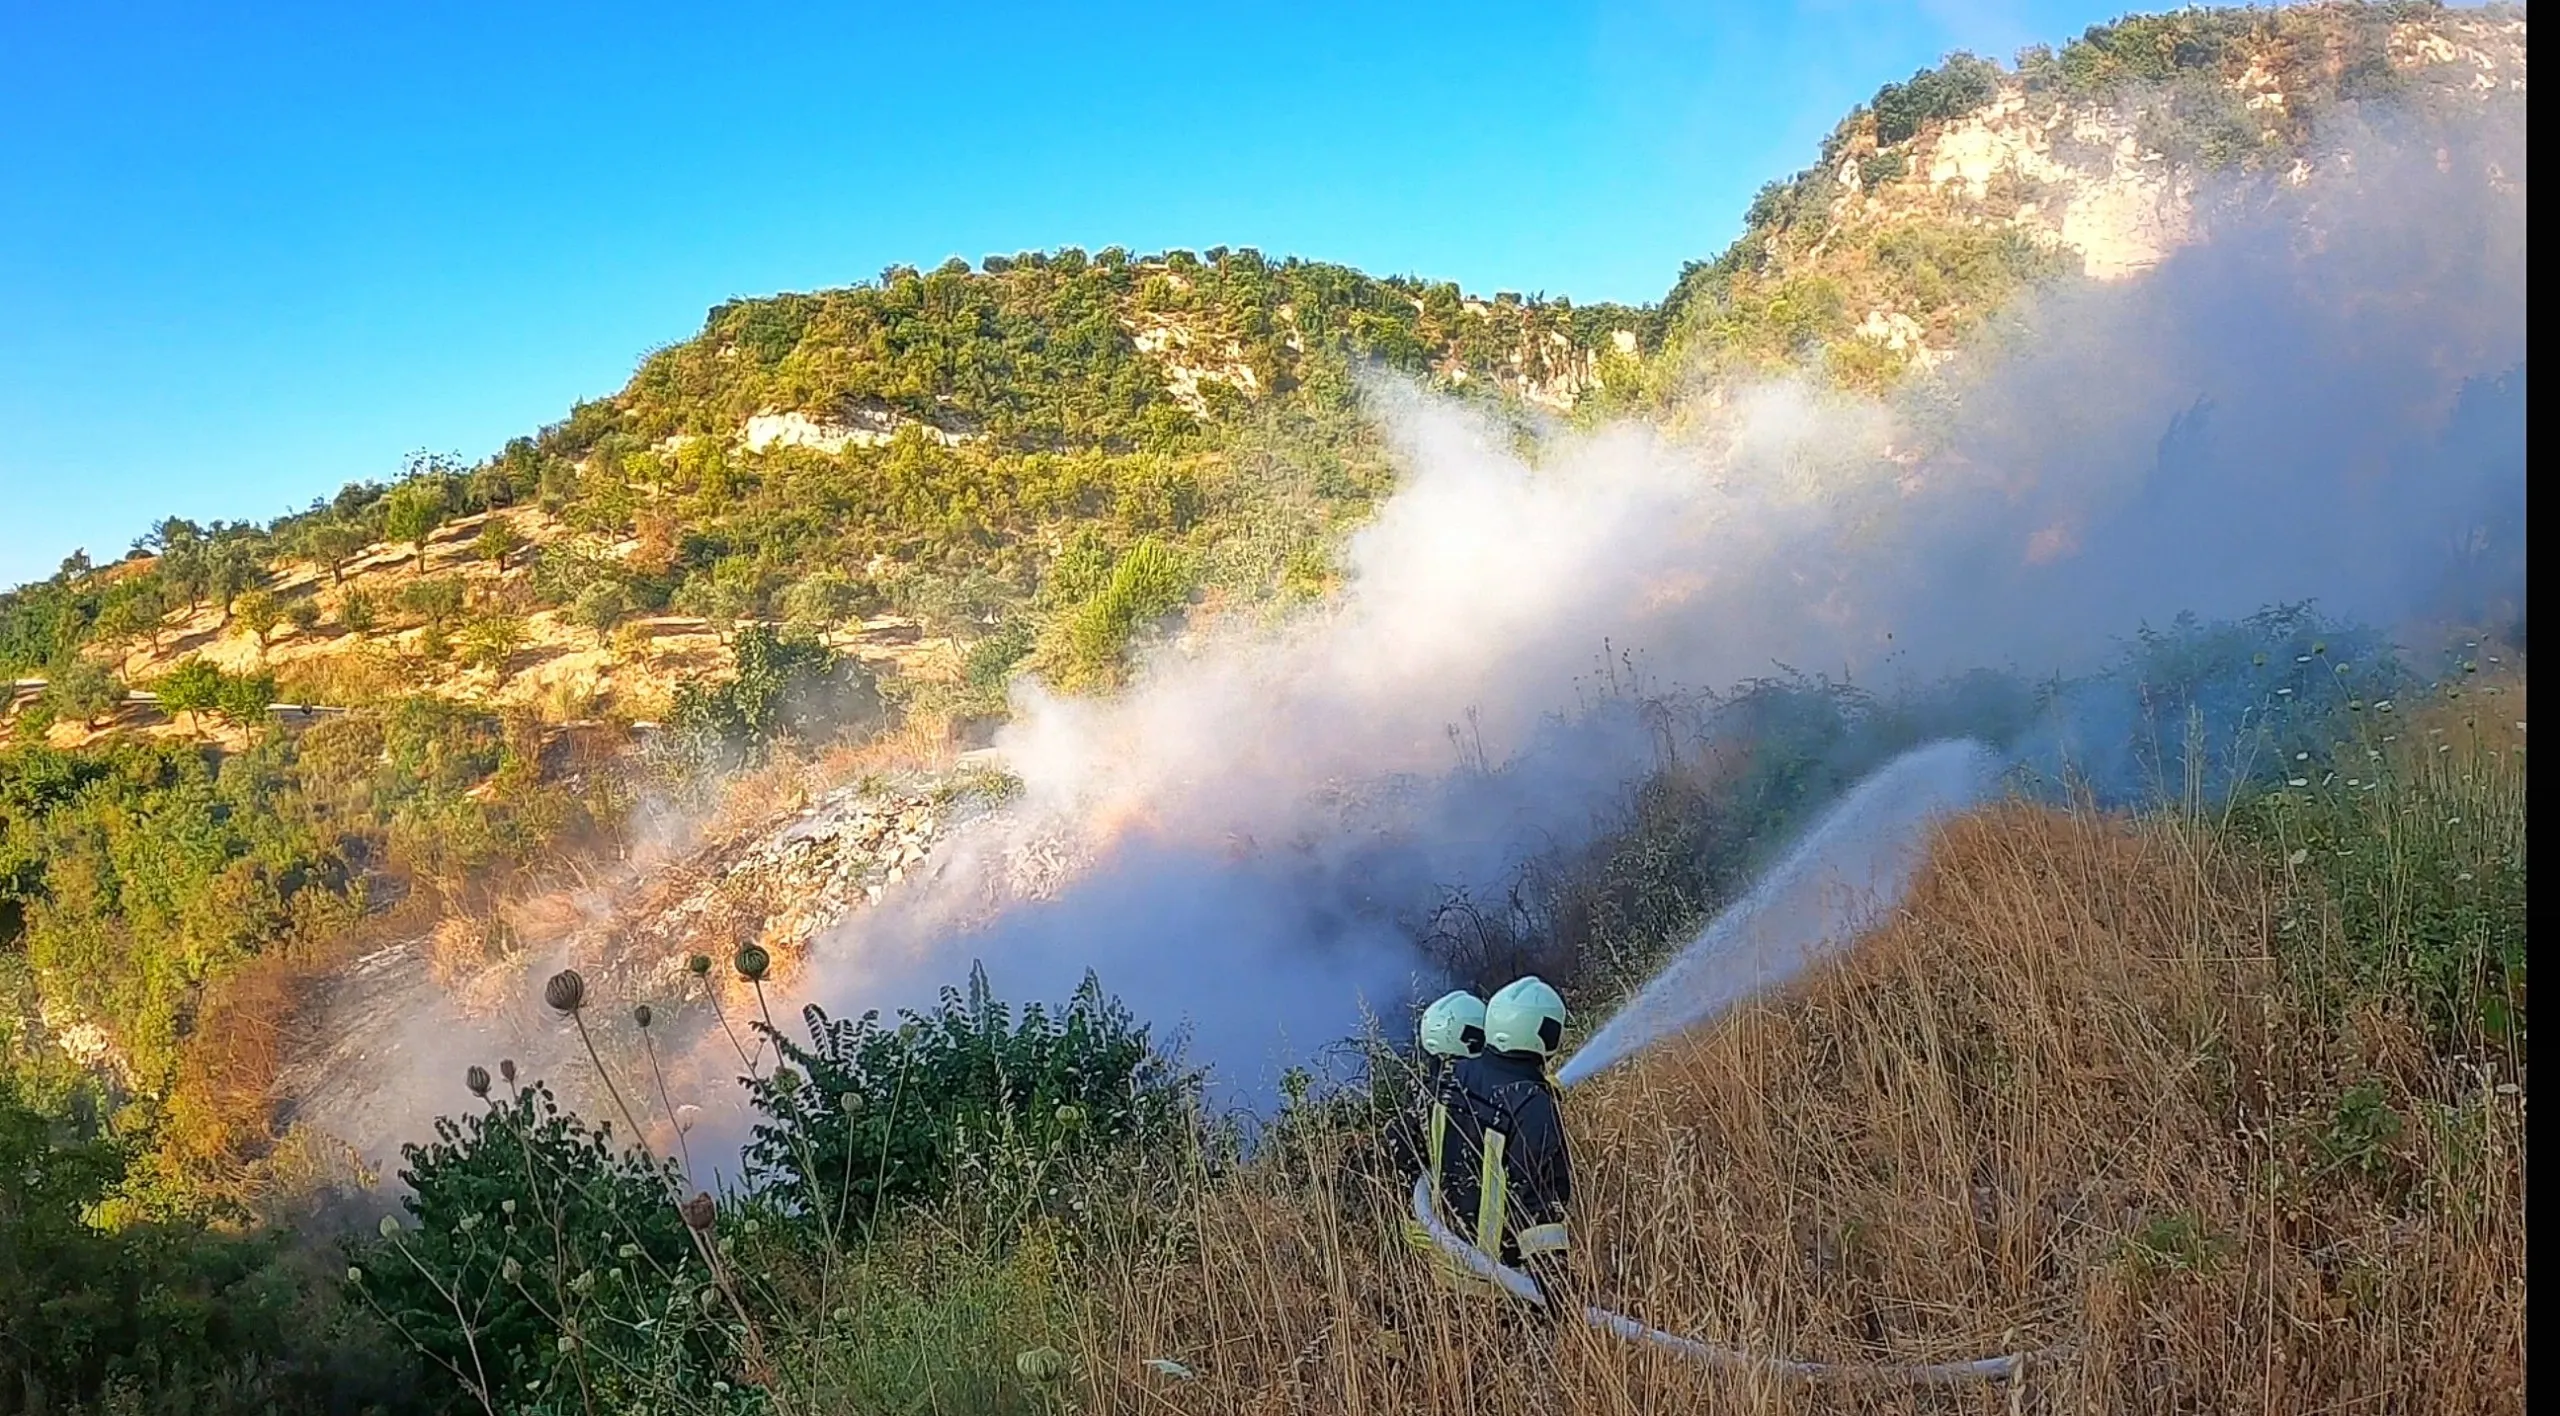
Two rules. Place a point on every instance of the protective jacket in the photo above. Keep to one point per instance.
(1505, 1175)
(1420, 1137)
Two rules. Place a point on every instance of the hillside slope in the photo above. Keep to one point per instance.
(215, 920)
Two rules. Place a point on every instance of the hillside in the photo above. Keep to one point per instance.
(295, 817)
(1952, 190)
(974, 451)
(971, 450)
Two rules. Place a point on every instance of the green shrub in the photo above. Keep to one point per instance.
(259, 611)
(783, 686)
(863, 1116)
(497, 540)
(435, 600)
(491, 641)
(82, 690)
(529, 1225)
(1957, 87)
(603, 604)
(202, 1321)
(1150, 581)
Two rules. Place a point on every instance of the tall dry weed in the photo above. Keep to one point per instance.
(2068, 1101)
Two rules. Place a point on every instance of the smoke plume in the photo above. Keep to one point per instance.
(2321, 400)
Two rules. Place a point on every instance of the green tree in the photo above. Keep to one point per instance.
(412, 513)
(721, 599)
(192, 688)
(356, 610)
(497, 540)
(491, 641)
(261, 612)
(231, 570)
(826, 599)
(333, 542)
(1957, 87)
(244, 697)
(182, 569)
(136, 611)
(160, 1316)
(81, 689)
(303, 613)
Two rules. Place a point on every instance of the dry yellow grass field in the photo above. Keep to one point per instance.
(2071, 1101)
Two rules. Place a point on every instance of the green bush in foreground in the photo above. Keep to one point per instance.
(864, 1117)
(163, 1316)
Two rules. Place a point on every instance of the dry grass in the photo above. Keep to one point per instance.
(2067, 1101)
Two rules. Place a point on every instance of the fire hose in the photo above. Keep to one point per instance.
(1522, 1286)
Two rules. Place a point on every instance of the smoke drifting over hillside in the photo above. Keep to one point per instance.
(2324, 400)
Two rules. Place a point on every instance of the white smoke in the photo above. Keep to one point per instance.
(2273, 415)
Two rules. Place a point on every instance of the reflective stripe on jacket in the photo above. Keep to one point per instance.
(1505, 1173)
(1435, 1136)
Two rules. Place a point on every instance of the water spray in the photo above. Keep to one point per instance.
(1851, 868)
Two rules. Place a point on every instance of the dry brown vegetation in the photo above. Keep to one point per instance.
(2072, 1100)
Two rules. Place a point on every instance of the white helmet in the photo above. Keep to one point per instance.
(1453, 1026)
(1526, 1016)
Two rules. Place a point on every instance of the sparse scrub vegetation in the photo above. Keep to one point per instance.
(784, 687)
(1957, 87)
(356, 610)
(141, 882)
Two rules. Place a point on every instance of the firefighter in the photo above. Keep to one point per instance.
(1452, 1031)
(1506, 1177)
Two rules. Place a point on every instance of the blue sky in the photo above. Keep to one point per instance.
(250, 253)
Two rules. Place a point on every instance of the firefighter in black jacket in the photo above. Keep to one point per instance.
(1452, 1031)
(1507, 1177)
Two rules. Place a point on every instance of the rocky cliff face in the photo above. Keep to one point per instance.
(1934, 205)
